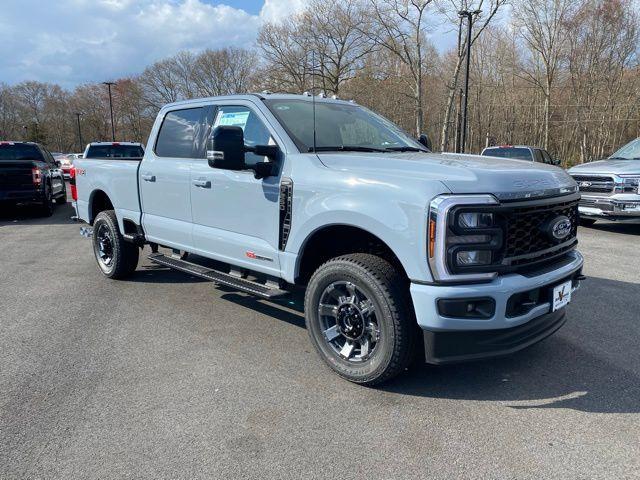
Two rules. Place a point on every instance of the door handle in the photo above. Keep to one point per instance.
(202, 182)
(147, 177)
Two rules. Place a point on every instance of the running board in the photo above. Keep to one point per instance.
(216, 276)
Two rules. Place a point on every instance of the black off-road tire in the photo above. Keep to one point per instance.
(389, 292)
(46, 207)
(62, 199)
(124, 259)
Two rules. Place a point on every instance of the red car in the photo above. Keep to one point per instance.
(66, 162)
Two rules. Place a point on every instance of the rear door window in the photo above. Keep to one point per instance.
(179, 130)
(516, 153)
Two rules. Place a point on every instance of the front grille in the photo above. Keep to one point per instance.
(595, 183)
(526, 241)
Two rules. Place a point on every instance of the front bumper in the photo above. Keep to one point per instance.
(618, 207)
(466, 338)
(453, 347)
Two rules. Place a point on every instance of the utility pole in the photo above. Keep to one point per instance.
(113, 129)
(79, 131)
(469, 16)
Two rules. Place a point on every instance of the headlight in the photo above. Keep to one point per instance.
(474, 257)
(463, 237)
(631, 183)
(475, 220)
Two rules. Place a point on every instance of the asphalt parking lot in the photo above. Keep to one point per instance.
(166, 376)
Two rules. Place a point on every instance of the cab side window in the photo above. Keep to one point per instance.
(547, 157)
(537, 156)
(178, 133)
(255, 131)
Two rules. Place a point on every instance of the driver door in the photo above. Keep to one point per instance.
(235, 215)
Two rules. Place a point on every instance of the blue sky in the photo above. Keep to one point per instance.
(71, 42)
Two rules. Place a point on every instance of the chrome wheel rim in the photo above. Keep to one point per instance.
(105, 245)
(348, 321)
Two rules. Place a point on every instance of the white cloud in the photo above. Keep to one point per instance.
(75, 41)
(276, 10)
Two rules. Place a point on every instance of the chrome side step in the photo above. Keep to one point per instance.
(239, 283)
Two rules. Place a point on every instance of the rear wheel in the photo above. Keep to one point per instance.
(116, 257)
(62, 199)
(46, 207)
(358, 316)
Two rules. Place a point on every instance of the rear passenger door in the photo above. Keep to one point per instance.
(165, 179)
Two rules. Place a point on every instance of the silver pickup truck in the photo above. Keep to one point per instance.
(610, 188)
(399, 250)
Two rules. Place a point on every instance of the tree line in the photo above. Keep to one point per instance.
(560, 74)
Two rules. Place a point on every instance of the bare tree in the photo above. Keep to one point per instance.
(399, 27)
(488, 10)
(542, 26)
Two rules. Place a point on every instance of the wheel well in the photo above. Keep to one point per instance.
(99, 203)
(336, 240)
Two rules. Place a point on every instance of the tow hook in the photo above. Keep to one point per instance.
(86, 232)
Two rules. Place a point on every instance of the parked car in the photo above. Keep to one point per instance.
(66, 162)
(30, 175)
(521, 152)
(397, 248)
(123, 150)
(610, 188)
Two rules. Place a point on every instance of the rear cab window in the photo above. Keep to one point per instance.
(115, 151)
(19, 151)
(516, 153)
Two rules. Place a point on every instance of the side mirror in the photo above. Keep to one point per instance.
(264, 169)
(225, 148)
(426, 141)
(556, 161)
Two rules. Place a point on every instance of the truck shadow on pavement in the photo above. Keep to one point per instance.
(28, 215)
(617, 227)
(592, 364)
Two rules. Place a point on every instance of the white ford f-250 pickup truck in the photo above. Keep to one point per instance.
(398, 248)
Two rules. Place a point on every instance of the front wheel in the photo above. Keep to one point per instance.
(359, 317)
(116, 257)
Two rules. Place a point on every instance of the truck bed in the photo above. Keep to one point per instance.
(117, 178)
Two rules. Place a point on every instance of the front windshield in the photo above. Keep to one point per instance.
(631, 151)
(339, 126)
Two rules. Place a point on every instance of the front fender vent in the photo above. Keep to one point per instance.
(286, 199)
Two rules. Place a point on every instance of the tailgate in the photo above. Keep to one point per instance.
(16, 175)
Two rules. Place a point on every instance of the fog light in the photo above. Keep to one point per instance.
(467, 307)
(475, 257)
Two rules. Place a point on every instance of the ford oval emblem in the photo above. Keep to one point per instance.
(559, 228)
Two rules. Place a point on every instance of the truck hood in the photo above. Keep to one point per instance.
(612, 167)
(505, 178)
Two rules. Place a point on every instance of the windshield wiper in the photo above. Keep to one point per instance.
(347, 148)
(407, 149)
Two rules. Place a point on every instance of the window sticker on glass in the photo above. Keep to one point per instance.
(234, 119)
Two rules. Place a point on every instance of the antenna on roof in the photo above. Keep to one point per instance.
(313, 95)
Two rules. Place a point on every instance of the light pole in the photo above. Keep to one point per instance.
(79, 131)
(469, 16)
(113, 130)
